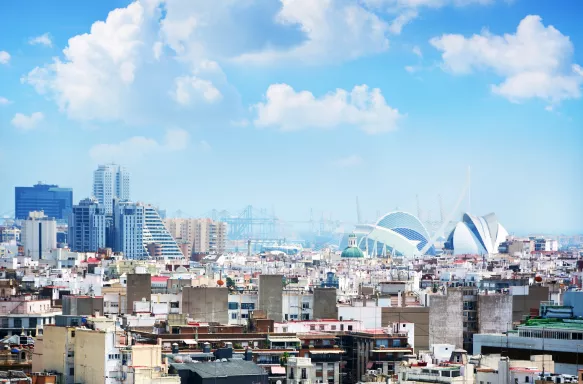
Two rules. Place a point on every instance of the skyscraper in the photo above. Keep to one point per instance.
(139, 232)
(39, 235)
(55, 202)
(111, 181)
(87, 226)
(200, 235)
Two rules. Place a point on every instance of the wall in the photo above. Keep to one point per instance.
(325, 303)
(574, 299)
(419, 316)
(446, 318)
(82, 306)
(521, 304)
(90, 355)
(369, 316)
(494, 313)
(271, 296)
(206, 304)
(54, 351)
(139, 285)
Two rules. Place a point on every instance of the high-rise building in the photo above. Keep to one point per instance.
(87, 226)
(53, 201)
(39, 234)
(201, 235)
(111, 181)
(139, 232)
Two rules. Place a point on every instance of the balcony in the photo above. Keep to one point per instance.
(325, 357)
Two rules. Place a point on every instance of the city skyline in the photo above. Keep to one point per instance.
(218, 115)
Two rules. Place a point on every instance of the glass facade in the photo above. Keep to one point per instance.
(54, 201)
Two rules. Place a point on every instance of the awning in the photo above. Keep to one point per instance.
(323, 351)
(278, 370)
(273, 352)
(392, 350)
(369, 365)
(284, 339)
(190, 342)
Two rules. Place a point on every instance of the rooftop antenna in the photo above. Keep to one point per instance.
(358, 215)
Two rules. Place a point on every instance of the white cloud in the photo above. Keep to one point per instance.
(4, 101)
(44, 39)
(403, 19)
(535, 62)
(94, 79)
(288, 110)
(334, 30)
(348, 161)
(4, 57)
(189, 87)
(25, 122)
(417, 51)
(410, 69)
(137, 147)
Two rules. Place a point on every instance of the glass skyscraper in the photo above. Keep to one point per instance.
(87, 226)
(111, 181)
(53, 201)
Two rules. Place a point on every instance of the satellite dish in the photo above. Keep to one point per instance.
(278, 382)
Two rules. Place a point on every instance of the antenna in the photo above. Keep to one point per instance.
(418, 207)
(358, 215)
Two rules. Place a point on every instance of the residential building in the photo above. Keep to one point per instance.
(25, 314)
(202, 236)
(87, 226)
(54, 201)
(139, 233)
(300, 370)
(111, 181)
(39, 234)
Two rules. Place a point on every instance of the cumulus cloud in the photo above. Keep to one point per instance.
(25, 122)
(44, 39)
(4, 57)
(334, 30)
(417, 51)
(188, 88)
(534, 62)
(288, 110)
(137, 147)
(4, 101)
(348, 161)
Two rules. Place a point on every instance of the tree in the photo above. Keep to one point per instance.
(230, 284)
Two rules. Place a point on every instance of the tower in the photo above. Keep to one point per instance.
(111, 181)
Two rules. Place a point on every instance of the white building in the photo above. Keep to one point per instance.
(200, 235)
(111, 181)
(87, 226)
(39, 234)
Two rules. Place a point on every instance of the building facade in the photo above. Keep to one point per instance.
(201, 236)
(39, 235)
(111, 181)
(55, 202)
(87, 226)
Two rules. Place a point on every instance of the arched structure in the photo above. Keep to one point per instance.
(476, 235)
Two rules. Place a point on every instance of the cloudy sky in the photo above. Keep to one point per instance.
(292, 105)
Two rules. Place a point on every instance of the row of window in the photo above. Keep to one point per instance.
(560, 335)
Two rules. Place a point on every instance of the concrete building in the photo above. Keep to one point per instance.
(55, 351)
(139, 287)
(206, 304)
(300, 370)
(494, 313)
(270, 296)
(111, 181)
(87, 226)
(419, 316)
(240, 307)
(325, 303)
(82, 305)
(200, 236)
(446, 318)
(39, 235)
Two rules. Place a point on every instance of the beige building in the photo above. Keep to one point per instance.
(198, 235)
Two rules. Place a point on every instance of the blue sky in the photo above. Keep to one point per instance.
(301, 104)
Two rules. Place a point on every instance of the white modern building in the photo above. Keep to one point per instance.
(138, 232)
(111, 181)
(476, 235)
(87, 226)
(39, 234)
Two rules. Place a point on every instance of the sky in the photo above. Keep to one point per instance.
(300, 105)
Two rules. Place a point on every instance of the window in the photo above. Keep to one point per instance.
(71, 371)
(247, 305)
(305, 305)
(17, 323)
(233, 316)
(233, 305)
(72, 333)
(350, 327)
(333, 327)
(322, 327)
(526, 379)
(32, 322)
(312, 327)
(304, 374)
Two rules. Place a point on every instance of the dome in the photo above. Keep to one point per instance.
(476, 235)
(352, 253)
(406, 225)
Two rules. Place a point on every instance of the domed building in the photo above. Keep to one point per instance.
(352, 251)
